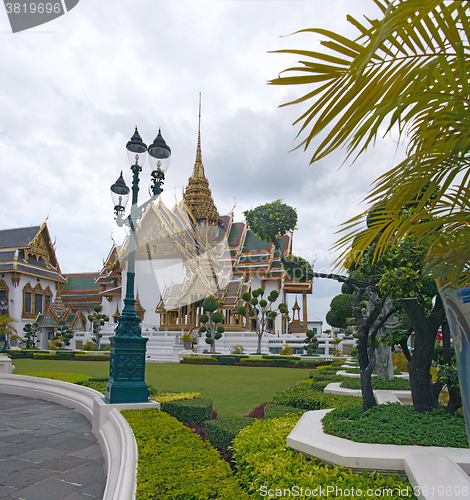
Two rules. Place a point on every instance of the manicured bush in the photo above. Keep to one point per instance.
(306, 399)
(275, 411)
(396, 384)
(221, 433)
(274, 356)
(265, 462)
(91, 357)
(280, 362)
(229, 360)
(257, 361)
(45, 355)
(397, 424)
(316, 384)
(219, 357)
(192, 411)
(73, 378)
(207, 360)
(164, 397)
(174, 464)
(65, 355)
(99, 384)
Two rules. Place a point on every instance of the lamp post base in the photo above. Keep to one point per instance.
(126, 382)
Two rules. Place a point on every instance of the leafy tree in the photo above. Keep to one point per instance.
(408, 72)
(6, 329)
(31, 334)
(261, 310)
(63, 334)
(311, 343)
(211, 326)
(340, 313)
(98, 320)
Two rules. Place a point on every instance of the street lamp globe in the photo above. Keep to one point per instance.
(136, 150)
(120, 194)
(159, 153)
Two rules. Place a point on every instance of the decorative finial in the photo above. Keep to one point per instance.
(198, 150)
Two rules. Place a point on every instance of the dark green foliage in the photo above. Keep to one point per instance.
(311, 343)
(302, 274)
(191, 411)
(227, 360)
(396, 384)
(174, 464)
(306, 399)
(97, 321)
(99, 384)
(275, 411)
(221, 433)
(397, 424)
(340, 311)
(210, 304)
(63, 333)
(65, 355)
(31, 332)
(280, 362)
(273, 356)
(271, 219)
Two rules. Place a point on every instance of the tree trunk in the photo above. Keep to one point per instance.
(384, 366)
(419, 367)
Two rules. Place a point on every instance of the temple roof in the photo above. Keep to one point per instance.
(197, 195)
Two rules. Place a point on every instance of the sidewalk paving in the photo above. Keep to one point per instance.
(47, 452)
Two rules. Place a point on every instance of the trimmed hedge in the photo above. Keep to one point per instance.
(306, 399)
(174, 464)
(45, 355)
(191, 411)
(73, 378)
(165, 397)
(273, 410)
(229, 360)
(396, 384)
(221, 433)
(265, 462)
(281, 362)
(255, 360)
(273, 356)
(91, 357)
(394, 423)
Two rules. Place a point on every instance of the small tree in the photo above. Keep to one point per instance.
(97, 321)
(261, 310)
(311, 343)
(211, 326)
(63, 334)
(31, 334)
(6, 329)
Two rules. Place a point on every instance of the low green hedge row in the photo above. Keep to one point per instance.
(255, 360)
(397, 424)
(273, 410)
(174, 464)
(199, 359)
(396, 384)
(191, 411)
(273, 356)
(306, 399)
(221, 433)
(73, 378)
(264, 463)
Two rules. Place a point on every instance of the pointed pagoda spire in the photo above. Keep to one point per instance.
(197, 195)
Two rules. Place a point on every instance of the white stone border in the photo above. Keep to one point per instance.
(110, 428)
(429, 468)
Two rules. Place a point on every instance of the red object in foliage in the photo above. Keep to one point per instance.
(439, 335)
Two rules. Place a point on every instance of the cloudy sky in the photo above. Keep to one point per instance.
(73, 90)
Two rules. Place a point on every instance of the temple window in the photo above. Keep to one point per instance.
(27, 306)
(3, 297)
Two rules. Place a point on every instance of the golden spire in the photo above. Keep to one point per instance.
(198, 196)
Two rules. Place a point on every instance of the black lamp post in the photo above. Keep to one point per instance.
(126, 382)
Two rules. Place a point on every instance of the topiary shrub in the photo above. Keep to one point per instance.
(221, 433)
(174, 464)
(306, 399)
(264, 463)
(280, 362)
(275, 411)
(227, 360)
(192, 411)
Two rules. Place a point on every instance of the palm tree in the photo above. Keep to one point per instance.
(407, 71)
(6, 328)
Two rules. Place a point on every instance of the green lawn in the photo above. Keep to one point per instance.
(235, 390)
